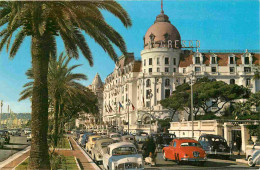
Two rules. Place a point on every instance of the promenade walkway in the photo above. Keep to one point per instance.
(84, 161)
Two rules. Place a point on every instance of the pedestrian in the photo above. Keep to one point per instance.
(238, 143)
(148, 149)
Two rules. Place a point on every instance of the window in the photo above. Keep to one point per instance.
(232, 61)
(231, 69)
(167, 82)
(166, 60)
(184, 81)
(158, 69)
(150, 61)
(158, 61)
(184, 70)
(148, 104)
(197, 60)
(246, 60)
(174, 144)
(148, 83)
(174, 61)
(144, 62)
(213, 60)
(197, 69)
(150, 70)
(232, 81)
(166, 69)
(248, 82)
(213, 69)
(147, 94)
(174, 70)
(167, 93)
(247, 69)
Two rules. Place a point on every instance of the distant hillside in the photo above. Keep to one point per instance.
(26, 116)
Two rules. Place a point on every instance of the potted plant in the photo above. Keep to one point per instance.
(254, 132)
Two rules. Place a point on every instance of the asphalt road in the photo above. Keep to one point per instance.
(17, 143)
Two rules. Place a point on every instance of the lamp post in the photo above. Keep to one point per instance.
(128, 122)
(117, 122)
(191, 105)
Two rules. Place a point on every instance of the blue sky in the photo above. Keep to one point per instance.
(222, 24)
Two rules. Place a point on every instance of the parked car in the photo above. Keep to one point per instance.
(16, 132)
(29, 137)
(215, 145)
(140, 140)
(163, 139)
(254, 158)
(91, 142)
(128, 138)
(27, 131)
(115, 136)
(184, 150)
(122, 155)
(100, 148)
(84, 138)
(5, 135)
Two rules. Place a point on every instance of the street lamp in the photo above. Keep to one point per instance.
(117, 122)
(128, 122)
(191, 105)
(150, 96)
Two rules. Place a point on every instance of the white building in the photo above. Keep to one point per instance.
(164, 65)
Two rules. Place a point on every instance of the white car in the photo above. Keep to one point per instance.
(27, 131)
(29, 137)
(122, 155)
(115, 136)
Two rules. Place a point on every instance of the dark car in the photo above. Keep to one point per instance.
(163, 139)
(5, 134)
(215, 145)
(84, 138)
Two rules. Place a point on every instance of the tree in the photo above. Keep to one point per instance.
(62, 84)
(42, 21)
(204, 90)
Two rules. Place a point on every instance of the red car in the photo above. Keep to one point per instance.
(184, 150)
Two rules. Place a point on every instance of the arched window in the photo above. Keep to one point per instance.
(232, 81)
(148, 83)
(167, 82)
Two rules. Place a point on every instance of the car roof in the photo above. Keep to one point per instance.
(120, 144)
(211, 135)
(185, 140)
(104, 140)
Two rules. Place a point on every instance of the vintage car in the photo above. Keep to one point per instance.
(184, 150)
(27, 131)
(84, 138)
(115, 136)
(128, 138)
(4, 134)
(29, 137)
(163, 139)
(254, 158)
(215, 145)
(122, 155)
(100, 148)
(91, 142)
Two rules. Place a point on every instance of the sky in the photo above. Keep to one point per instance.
(218, 24)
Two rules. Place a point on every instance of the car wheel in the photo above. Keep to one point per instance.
(250, 162)
(164, 157)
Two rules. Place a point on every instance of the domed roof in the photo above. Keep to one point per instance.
(161, 31)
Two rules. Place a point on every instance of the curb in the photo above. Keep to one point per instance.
(88, 158)
(13, 157)
(20, 163)
(77, 163)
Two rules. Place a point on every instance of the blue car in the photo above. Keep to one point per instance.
(84, 138)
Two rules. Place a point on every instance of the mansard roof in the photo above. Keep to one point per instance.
(222, 58)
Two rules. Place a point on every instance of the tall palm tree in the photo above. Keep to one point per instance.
(42, 21)
(62, 83)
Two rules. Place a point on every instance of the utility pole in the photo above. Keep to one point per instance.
(150, 96)
(191, 109)
(128, 122)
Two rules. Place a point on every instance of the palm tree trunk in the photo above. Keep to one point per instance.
(56, 121)
(39, 157)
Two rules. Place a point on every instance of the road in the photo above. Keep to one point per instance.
(17, 143)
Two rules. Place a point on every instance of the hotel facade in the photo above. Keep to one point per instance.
(133, 91)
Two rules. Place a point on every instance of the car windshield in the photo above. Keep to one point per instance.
(124, 151)
(105, 144)
(190, 144)
(115, 136)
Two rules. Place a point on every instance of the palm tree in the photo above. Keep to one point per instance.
(62, 84)
(42, 21)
